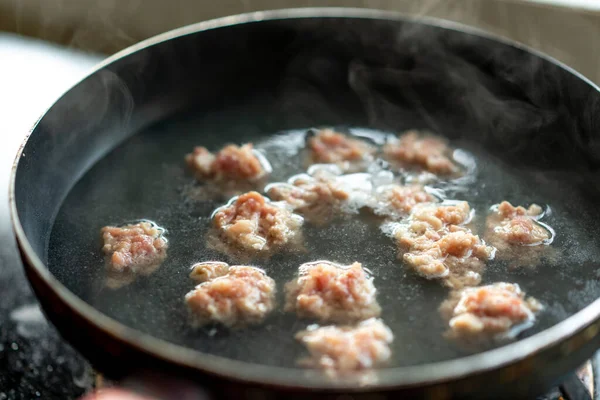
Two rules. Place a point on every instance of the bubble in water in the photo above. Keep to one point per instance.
(14, 346)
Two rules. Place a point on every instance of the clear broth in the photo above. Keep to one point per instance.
(145, 178)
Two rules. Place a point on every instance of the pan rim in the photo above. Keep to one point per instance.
(389, 378)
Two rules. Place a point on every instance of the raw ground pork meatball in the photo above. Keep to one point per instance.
(251, 223)
(398, 200)
(347, 348)
(329, 292)
(424, 151)
(518, 235)
(437, 245)
(317, 197)
(132, 250)
(242, 296)
(497, 310)
(329, 147)
(231, 163)
(509, 225)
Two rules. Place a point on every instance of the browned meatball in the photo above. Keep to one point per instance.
(244, 295)
(252, 223)
(231, 163)
(415, 150)
(488, 311)
(436, 245)
(347, 348)
(330, 292)
(133, 249)
(316, 197)
(330, 147)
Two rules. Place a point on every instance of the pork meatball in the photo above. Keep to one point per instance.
(252, 223)
(398, 200)
(347, 348)
(317, 198)
(520, 237)
(329, 147)
(423, 151)
(497, 310)
(132, 250)
(242, 296)
(436, 244)
(516, 225)
(329, 292)
(231, 163)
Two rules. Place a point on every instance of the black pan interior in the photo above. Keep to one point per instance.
(530, 125)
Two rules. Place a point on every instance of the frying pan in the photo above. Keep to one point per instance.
(111, 150)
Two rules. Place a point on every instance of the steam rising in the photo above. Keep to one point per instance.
(569, 34)
(468, 87)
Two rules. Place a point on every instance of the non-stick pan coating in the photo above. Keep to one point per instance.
(530, 124)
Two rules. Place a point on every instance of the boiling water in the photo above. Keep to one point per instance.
(145, 178)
